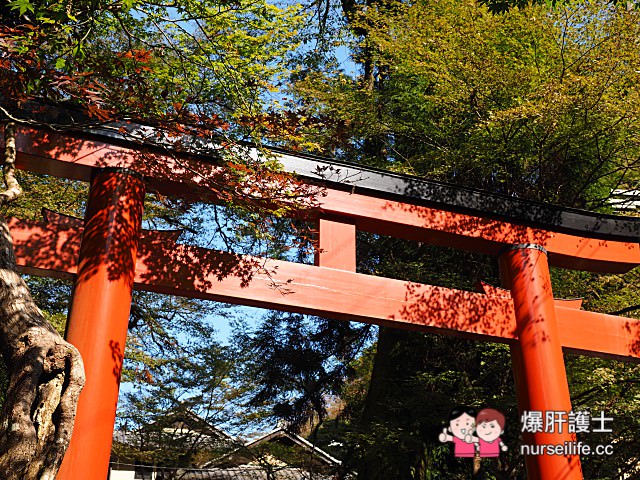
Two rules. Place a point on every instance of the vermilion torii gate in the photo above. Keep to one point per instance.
(109, 254)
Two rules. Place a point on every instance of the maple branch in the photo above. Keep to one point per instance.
(13, 189)
(55, 126)
(13, 118)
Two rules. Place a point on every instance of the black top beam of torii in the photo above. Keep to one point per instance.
(401, 187)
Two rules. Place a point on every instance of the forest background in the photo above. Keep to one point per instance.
(537, 101)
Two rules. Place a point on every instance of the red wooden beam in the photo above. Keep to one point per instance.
(74, 158)
(166, 267)
(480, 234)
(70, 157)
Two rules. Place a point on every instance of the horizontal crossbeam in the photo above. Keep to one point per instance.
(164, 266)
(71, 157)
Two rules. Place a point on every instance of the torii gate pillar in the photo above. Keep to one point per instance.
(540, 375)
(99, 315)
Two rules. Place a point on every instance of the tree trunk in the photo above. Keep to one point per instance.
(45, 372)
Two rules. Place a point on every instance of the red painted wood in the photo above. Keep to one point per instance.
(336, 245)
(99, 316)
(540, 371)
(529, 319)
(163, 266)
(64, 156)
(484, 235)
(522, 396)
(503, 292)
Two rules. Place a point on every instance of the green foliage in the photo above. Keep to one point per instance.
(208, 58)
(611, 387)
(178, 385)
(47, 192)
(295, 362)
(536, 103)
(395, 411)
(202, 67)
(21, 6)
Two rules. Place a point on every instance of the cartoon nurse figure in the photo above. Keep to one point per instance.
(489, 427)
(460, 431)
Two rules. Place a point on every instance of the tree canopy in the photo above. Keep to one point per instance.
(538, 101)
(184, 67)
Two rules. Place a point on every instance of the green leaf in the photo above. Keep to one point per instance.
(23, 6)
